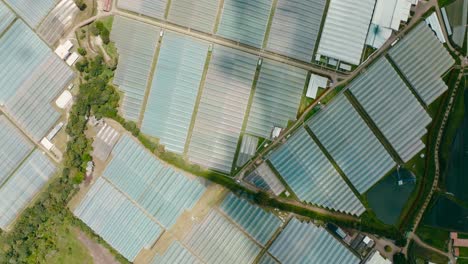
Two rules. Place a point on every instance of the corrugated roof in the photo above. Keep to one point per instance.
(32, 11)
(295, 28)
(311, 176)
(222, 108)
(136, 44)
(151, 8)
(162, 191)
(277, 97)
(123, 225)
(393, 108)
(423, 59)
(245, 21)
(196, 14)
(23, 185)
(6, 17)
(174, 90)
(259, 224)
(14, 147)
(351, 143)
(345, 29)
(306, 243)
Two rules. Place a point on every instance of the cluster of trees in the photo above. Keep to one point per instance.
(81, 4)
(99, 29)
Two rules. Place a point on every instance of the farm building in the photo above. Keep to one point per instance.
(277, 97)
(136, 44)
(423, 60)
(306, 243)
(295, 28)
(345, 30)
(174, 90)
(351, 143)
(309, 173)
(245, 21)
(222, 108)
(393, 108)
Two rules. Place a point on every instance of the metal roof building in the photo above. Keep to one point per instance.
(136, 44)
(32, 11)
(196, 14)
(277, 97)
(259, 224)
(218, 240)
(351, 143)
(117, 220)
(104, 142)
(245, 21)
(6, 17)
(159, 189)
(222, 108)
(345, 30)
(151, 8)
(174, 90)
(423, 60)
(23, 185)
(312, 177)
(247, 149)
(295, 28)
(393, 108)
(14, 147)
(59, 20)
(306, 243)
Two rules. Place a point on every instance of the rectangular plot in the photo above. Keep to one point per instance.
(295, 28)
(151, 8)
(277, 98)
(245, 21)
(196, 14)
(306, 243)
(393, 108)
(174, 90)
(6, 17)
(217, 240)
(117, 220)
(23, 185)
(351, 143)
(264, 178)
(176, 253)
(259, 224)
(14, 147)
(247, 149)
(104, 142)
(162, 191)
(32, 11)
(22, 52)
(312, 177)
(423, 59)
(136, 44)
(31, 105)
(222, 108)
(59, 20)
(345, 30)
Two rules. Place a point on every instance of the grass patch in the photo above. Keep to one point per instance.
(443, 3)
(435, 237)
(462, 236)
(416, 252)
(463, 252)
(69, 249)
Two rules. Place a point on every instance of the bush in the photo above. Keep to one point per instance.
(80, 4)
(82, 51)
(388, 248)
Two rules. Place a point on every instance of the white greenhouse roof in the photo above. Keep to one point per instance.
(59, 20)
(23, 186)
(222, 108)
(423, 60)
(433, 22)
(316, 82)
(351, 143)
(6, 17)
(176, 254)
(136, 44)
(393, 108)
(295, 28)
(151, 8)
(32, 11)
(390, 13)
(345, 30)
(196, 14)
(309, 173)
(174, 90)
